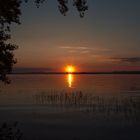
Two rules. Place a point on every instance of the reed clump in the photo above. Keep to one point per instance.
(90, 102)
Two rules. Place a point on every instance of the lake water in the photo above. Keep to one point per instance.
(23, 87)
(81, 107)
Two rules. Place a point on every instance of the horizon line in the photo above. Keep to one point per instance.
(90, 72)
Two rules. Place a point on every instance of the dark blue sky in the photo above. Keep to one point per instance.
(107, 38)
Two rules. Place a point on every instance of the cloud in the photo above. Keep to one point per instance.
(99, 50)
(85, 51)
(82, 48)
(73, 51)
(66, 47)
(127, 59)
(74, 47)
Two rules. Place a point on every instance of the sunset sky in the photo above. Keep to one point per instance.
(106, 39)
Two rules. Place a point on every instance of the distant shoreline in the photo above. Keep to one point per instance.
(113, 72)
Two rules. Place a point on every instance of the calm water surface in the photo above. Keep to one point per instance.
(23, 87)
(73, 107)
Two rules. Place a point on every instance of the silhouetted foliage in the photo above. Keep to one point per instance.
(10, 132)
(81, 5)
(10, 11)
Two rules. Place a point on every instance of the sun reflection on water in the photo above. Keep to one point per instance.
(70, 80)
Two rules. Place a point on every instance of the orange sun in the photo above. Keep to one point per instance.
(70, 69)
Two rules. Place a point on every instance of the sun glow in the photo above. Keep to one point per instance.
(70, 69)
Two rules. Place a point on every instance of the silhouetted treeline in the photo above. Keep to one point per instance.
(113, 72)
